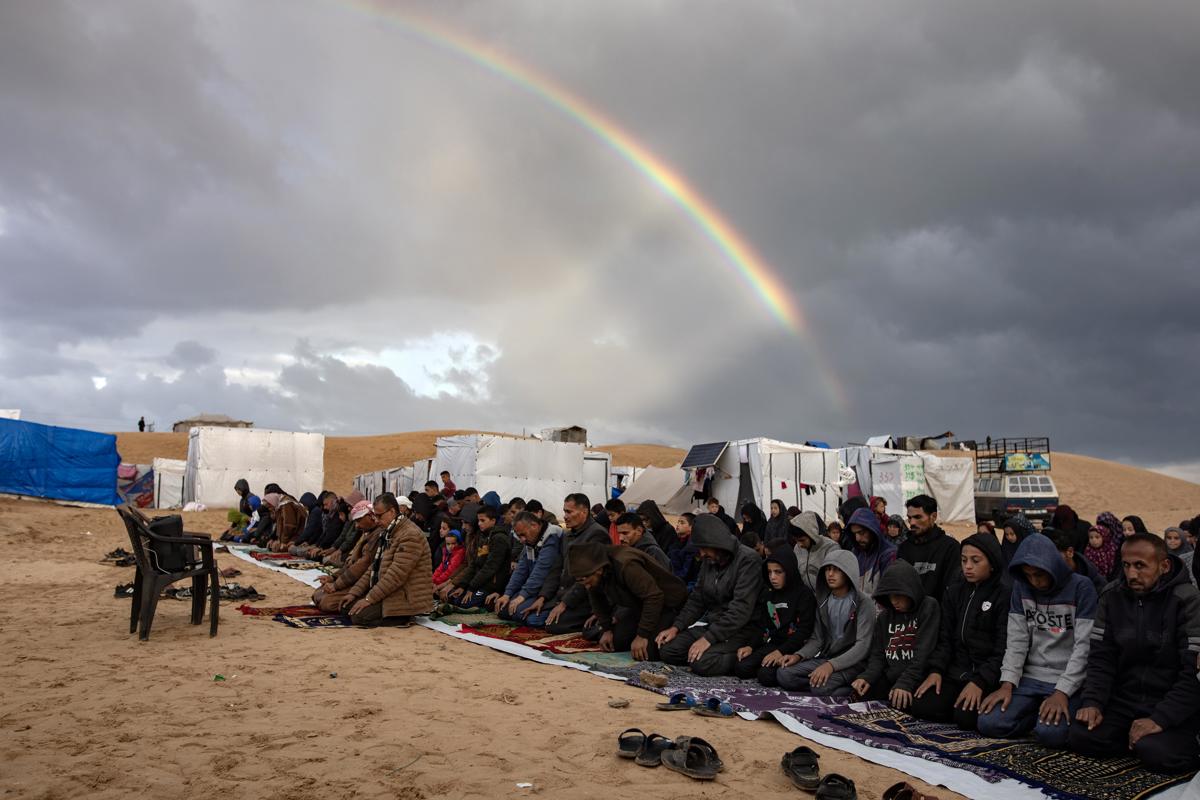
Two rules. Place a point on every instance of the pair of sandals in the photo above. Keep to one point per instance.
(687, 755)
(802, 769)
(682, 701)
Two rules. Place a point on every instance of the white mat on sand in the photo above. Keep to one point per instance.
(933, 772)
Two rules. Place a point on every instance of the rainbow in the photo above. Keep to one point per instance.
(762, 280)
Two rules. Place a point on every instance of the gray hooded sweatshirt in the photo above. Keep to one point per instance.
(810, 561)
(848, 653)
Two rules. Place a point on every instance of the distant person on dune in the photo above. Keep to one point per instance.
(142, 425)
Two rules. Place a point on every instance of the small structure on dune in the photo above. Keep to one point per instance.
(573, 435)
(210, 421)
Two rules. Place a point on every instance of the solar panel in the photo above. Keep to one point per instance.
(704, 455)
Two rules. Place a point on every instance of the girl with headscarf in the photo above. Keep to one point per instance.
(1016, 529)
(1177, 541)
(1102, 549)
(1133, 524)
(753, 521)
(778, 524)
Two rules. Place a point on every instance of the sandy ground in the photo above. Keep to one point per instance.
(89, 711)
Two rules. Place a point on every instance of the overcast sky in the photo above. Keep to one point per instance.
(303, 214)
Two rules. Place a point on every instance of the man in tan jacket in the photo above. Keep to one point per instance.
(399, 583)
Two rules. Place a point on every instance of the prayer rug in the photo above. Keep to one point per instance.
(264, 555)
(289, 611)
(507, 632)
(315, 621)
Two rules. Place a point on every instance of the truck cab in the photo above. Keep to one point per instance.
(1014, 477)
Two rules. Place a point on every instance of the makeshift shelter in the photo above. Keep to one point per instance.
(896, 476)
(168, 482)
(666, 486)
(951, 482)
(512, 467)
(399, 481)
(58, 463)
(762, 470)
(423, 472)
(210, 421)
(597, 476)
(217, 457)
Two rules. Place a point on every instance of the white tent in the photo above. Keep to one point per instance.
(217, 457)
(511, 467)
(423, 472)
(951, 482)
(896, 476)
(597, 476)
(399, 481)
(168, 482)
(666, 486)
(762, 470)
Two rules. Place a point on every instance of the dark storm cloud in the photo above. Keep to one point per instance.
(989, 212)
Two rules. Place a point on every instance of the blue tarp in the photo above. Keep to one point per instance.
(58, 463)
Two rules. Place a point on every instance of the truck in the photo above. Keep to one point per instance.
(1013, 476)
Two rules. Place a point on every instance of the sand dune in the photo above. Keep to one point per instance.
(1089, 485)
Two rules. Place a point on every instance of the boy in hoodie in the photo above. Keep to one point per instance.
(685, 559)
(837, 651)
(1049, 621)
(874, 553)
(905, 636)
(811, 547)
(525, 595)
(632, 597)
(1141, 692)
(488, 569)
(1076, 562)
(929, 549)
(631, 532)
(657, 526)
(727, 594)
(789, 616)
(965, 667)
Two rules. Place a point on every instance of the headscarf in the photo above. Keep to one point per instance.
(897, 520)
(1104, 556)
(1184, 545)
(1110, 523)
(1136, 522)
(1023, 528)
(757, 522)
(273, 499)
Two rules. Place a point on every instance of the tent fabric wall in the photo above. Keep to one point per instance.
(951, 481)
(897, 476)
(422, 470)
(218, 457)
(858, 458)
(58, 463)
(597, 478)
(168, 482)
(512, 467)
(456, 455)
(666, 486)
(776, 470)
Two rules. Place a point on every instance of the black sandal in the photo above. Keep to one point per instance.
(836, 787)
(693, 761)
(802, 768)
(684, 741)
(652, 750)
(630, 742)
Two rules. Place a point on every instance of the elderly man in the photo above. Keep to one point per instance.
(1141, 692)
(399, 583)
(332, 591)
(290, 517)
(569, 604)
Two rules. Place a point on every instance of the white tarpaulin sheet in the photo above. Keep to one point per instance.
(597, 480)
(527, 468)
(777, 471)
(897, 476)
(217, 457)
(169, 475)
(665, 486)
(952, 483)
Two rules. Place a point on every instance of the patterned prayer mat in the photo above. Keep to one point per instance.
(317, 621)
(533, 637)
(290, 611)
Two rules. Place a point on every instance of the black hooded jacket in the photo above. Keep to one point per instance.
(1143, 650)
(662, 531)
(728, 520)
(974, 628)
(776, 529)
(791, 612)
(728, 595)
(936, 559)
(312, 524)
(903, 641)
(754, 529)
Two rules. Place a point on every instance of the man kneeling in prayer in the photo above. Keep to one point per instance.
(727, 594)
(399, 583)
(1141, 692)
(333, 589)
(632, 597)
